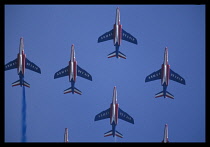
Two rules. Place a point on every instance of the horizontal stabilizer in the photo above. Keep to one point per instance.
(118, 134)
(73, 90)
(114, 54)
(121, 55)
(160, 94)
(109, 133)
(26, 84)
(16, 83)
(169, 95)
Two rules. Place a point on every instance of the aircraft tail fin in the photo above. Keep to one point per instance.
(119, 55)
(116, 133)
(73, 90)
(16, 83)
(167, 94)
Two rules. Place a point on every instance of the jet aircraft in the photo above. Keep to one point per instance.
(21, 62)
(165, 137)
(114, 112)
(165, 73)
(66, 135)
(72, 70)
(117, 34)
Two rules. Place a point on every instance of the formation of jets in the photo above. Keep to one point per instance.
(72, 70)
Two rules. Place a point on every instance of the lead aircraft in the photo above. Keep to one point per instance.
(114, 112)
(72, 70)
(165, 73)
(21, 62)
(117, 34)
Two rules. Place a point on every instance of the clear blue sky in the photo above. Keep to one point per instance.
(50, 30)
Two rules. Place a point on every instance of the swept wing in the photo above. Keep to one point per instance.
(11, 65)
(106, 36)
(84, 74)
(153, 76)
(125, 116)
(128, 37)
(103, 115)
(30, 65)
(176, 77)
(61, 73)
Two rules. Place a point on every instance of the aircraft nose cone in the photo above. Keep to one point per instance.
(166, 49)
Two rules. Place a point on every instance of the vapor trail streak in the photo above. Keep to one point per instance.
(24, 116)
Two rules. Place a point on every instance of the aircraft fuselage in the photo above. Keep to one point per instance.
(114, 111)
(165, 69)
(21, 59)
(117, 29)
(72, 66)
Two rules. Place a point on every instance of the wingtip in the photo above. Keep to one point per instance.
(95, 119)
(136, 42)
(98, 40)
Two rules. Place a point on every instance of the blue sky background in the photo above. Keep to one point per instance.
(50, 30)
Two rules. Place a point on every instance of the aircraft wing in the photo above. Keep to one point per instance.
(176, 77)
(107, 36)
(30, 65)
(124, 116)
(128, 37)
(84, 74)
(153, 76)
(11, 65)
(103, 115)
(61, 73)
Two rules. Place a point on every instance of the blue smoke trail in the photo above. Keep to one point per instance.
(24, 116)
